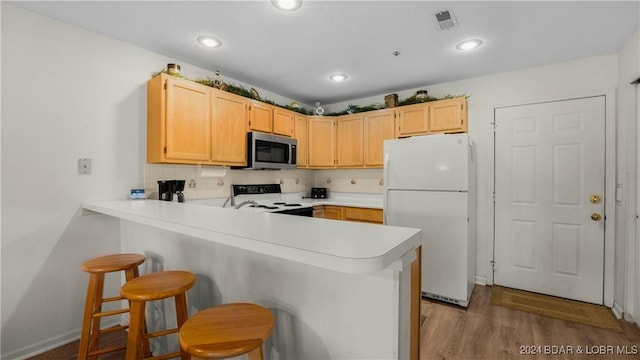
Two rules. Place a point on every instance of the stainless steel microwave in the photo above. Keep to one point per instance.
(266, 151)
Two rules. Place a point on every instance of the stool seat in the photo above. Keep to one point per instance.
(151, 287)
(97, 268)
(111, 263)
(226, 331)
(159, 285)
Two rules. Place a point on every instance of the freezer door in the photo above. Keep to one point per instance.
(430, 162)
(443, 217)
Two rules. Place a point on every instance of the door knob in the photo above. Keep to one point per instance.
(596, 217)
(595, 199)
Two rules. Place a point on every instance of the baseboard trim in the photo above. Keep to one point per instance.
(617, 310)
(51, 343)
(481, 280)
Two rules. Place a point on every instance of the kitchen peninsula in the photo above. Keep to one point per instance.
(337, 289)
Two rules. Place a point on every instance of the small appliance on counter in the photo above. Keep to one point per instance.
(167, 188)
(318, 193)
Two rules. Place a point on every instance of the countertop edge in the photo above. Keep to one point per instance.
(322, 260)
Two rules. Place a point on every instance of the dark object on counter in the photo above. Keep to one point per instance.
(166, 189)
(319, 193)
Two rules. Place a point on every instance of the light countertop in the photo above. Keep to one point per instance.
(348, 247)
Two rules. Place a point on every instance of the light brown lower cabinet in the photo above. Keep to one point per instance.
(347, 213)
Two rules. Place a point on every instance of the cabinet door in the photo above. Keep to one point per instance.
(188, 116)
(350, 135)
(378, 126)
(229, 132)
(333, 212)
(363, 215)
(322, 142)
(283, 122)
(260, 116)
(302, 135)
(448, 115)
(413, 119)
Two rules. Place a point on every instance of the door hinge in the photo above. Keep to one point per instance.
(165, 86)
(165, 149)
(494, 198)
(494, 125)
(249, 122)
(493, 266)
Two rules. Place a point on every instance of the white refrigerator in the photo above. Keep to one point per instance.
(430, 183)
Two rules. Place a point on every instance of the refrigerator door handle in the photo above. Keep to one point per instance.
(385, 206)
(386, 170)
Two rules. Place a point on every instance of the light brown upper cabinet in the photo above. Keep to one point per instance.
(260, 116)
(301, 134)
(178, 121)
(189, 123)
(412, 119)
(283, 121)
(229, 129)
(448, 115)
(350, 135)
(379, 126)
(322, 142)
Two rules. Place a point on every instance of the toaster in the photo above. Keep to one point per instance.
(319, 193)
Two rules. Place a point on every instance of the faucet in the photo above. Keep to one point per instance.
(232, 197)
(245, 203)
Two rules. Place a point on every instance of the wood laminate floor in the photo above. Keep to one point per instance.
(482, 332)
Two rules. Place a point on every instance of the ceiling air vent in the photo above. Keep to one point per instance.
(446, 20)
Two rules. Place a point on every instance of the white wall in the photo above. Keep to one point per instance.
(626, 241)
(584, 77)
(66, 94)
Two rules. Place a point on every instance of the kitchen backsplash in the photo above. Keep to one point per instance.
(200, 187)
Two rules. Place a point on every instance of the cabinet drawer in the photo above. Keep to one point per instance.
(363, 214)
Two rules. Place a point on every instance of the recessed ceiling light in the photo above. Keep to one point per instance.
(288, 5)
(469, 44)
(338, 77)
(209, 41)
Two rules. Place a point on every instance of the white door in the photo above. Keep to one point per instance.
(549, 223)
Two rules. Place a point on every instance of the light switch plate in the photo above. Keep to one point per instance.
(84, 166)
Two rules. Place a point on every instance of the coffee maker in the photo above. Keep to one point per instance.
(167, 188)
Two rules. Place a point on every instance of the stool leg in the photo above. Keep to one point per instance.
(129, 275)
(256, 354)
(136, 326)
(181, 317)
(91, 326)
(86, 320)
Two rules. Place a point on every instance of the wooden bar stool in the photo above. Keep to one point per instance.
(226, 331)
(97, 268)
(151, 287)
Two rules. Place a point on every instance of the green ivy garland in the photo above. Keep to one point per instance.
(352, 109)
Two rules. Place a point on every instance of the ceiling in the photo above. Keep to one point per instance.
(293, 53)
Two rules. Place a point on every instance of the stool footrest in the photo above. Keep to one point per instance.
(113, 298)
(110, 313)
(165, 356)
(114, 329)
(106, 350)
(160, 333)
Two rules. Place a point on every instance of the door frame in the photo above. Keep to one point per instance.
(610, 185)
